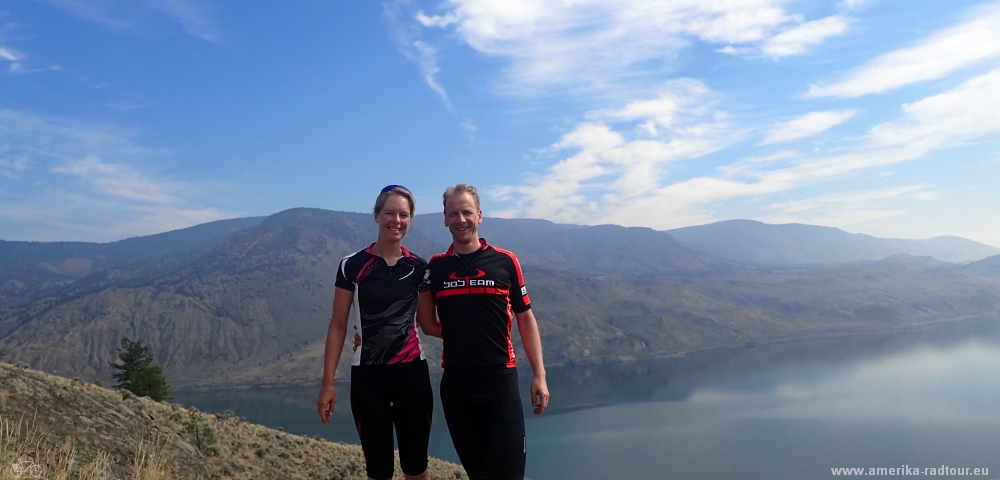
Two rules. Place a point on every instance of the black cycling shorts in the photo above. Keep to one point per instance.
(383, 396)
(486, 422)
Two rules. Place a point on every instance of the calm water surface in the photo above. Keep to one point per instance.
(791, 410)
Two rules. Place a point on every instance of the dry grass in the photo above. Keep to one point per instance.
(76, 430)
(42, 457)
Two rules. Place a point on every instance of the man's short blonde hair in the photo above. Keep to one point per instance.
(460, 188)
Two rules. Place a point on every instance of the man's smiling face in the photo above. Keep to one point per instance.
(463, 218)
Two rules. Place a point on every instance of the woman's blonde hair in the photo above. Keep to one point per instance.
(395, 190)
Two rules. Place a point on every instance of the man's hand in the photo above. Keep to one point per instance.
(326, 401)
(357, 342)
(539, 394)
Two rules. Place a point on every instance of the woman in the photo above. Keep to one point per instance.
(390, 385)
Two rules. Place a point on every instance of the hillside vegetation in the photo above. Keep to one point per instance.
(74, 429)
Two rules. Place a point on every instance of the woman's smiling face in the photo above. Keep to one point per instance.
(394, 218)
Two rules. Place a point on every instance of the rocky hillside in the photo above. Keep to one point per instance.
(86, 431)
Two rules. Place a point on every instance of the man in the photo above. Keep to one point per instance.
(479, 291)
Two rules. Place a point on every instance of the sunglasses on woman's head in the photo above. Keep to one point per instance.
(389, 188)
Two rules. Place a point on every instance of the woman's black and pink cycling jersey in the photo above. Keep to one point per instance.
(386, 301)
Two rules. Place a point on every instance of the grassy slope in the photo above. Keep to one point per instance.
(50, 418)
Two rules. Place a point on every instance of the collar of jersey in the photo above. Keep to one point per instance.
(406, 253)
(451, 250)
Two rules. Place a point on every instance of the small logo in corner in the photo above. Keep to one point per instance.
(25, 468)
(524, 291)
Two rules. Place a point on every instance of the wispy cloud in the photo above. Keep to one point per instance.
(191, 15)
(846, 209)
(128, 105)
(603, 45)
(8, 55)
(12, 167)
(69, 180)
(407, 41)
(969, 43)
(806, 125)
(797, 40)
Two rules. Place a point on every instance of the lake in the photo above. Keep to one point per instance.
(920, 399)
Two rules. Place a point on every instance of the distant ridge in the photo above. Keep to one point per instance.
(796, 245)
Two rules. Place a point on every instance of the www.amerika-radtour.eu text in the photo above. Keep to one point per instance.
(943, 470)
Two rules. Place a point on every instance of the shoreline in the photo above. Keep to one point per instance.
(835, 333)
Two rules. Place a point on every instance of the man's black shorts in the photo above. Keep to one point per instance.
(486, 422)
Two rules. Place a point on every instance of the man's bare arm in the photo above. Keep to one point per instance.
(532, 340)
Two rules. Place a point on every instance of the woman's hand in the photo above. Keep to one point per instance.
(326, 402)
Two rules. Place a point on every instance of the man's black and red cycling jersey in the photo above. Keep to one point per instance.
(386, 301)
(477, 296)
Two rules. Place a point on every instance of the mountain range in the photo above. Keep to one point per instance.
(247, 301)
(797, 245)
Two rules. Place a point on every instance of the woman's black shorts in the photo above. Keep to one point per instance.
(383, 396)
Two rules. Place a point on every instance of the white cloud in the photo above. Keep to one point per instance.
(965, 113)
(117, 180)
(806, 126)
(65, 180)
(609, 169)
(961, 46)
(797, 40)
(599, 44)
(681, 97)
(612, 178)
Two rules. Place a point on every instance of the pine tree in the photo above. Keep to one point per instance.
(138, 374)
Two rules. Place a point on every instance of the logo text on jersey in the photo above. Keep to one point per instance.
(474, 280)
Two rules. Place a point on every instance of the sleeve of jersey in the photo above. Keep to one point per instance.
(342, 276)
(519, 301)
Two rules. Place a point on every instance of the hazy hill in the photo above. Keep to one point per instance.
(253, 309)
(31, 270)
(597, 250)
(987, 267)
(500, 231)
(793, 245)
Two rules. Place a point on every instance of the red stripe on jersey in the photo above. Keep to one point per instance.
(510, 346)
(473, 291)
(517, 266)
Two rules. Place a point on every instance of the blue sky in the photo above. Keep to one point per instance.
(129, 117)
